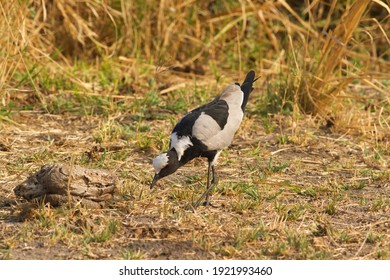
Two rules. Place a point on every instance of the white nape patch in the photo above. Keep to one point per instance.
(180, 144)
(159, 162)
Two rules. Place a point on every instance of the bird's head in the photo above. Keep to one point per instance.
(164, 165)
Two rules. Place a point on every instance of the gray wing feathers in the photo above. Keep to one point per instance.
(207, 130)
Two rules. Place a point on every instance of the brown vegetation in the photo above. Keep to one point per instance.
(101, 83)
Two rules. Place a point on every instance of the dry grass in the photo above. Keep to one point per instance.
(331, 56)
(102, 84)
(323, 196)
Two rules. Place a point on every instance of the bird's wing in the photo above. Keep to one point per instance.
(217, 125)
(184, 126)
(211, 121)
(213, 124)
(217, 110)
(201, 123)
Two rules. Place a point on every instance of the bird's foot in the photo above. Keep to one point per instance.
(205, 203)
(208, 203)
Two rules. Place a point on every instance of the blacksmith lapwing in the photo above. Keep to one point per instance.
(204, 132)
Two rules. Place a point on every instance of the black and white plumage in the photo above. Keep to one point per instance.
(204, 132)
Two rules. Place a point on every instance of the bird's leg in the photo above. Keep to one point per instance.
(212, 184)
(214, 178)
(209, 186)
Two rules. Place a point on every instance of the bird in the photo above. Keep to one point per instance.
(205, 132)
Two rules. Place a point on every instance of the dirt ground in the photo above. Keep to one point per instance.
(324, 195)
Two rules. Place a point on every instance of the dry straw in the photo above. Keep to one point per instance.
(288, 189)
(323, 40)
(332, 54)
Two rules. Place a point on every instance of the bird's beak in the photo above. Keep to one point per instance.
(155, 179)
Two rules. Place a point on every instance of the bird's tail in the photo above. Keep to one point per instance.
(247, 88)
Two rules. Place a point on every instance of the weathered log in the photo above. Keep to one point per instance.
(60, 184)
